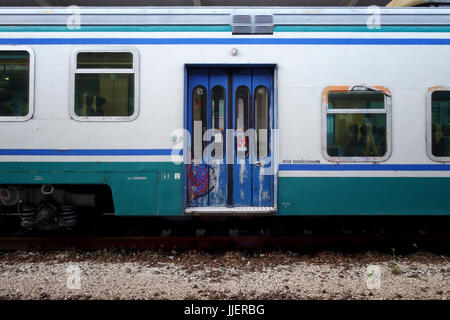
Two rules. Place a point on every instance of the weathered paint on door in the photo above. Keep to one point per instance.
(230, 116)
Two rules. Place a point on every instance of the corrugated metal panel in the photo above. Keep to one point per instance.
(224, 16)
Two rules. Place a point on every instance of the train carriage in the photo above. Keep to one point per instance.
(229, 111)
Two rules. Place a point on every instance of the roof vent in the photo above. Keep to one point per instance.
(256, 24)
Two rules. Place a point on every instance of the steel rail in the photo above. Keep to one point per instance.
(223, 242)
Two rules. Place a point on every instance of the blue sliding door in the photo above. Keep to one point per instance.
(230, 117)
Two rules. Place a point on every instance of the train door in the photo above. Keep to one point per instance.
(230, 117)
(207, 122)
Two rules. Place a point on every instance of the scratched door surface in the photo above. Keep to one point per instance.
(218, 84)
(199, 185)
(238, 100)
(207, 122)
(242, 109)
(262, 122)
(253, 114)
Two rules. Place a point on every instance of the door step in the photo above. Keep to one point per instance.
(235, 211)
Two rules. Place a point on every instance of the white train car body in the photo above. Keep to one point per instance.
(330, 79)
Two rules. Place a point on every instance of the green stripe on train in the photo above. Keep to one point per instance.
(221, 28)
(150, 188)
(361, 29)
(138, 188)
(359, 196)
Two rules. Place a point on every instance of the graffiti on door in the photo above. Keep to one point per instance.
(199, 182)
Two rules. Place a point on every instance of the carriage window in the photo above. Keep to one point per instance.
(356, 100)
(105, 85)
(262, 121)
(242, 119)
(105, 60)
(440, 126)
(199, 121)
(14, 84)
(218, 119)
(357, 124)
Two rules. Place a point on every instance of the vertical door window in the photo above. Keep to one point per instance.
(200, 122)
(218, 120)
(242, 119)
(262, 121)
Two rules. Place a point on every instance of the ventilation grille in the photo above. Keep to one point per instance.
(252, 24)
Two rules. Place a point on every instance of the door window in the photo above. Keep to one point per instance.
(242, 117)
(200, 124)
(218, 120)
(262, 121)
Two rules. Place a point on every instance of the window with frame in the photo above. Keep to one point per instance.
(357, 123)
(105, 85)
(261, 103)
(242, 121)
(440, 124)
(200, 121)
(14, 84)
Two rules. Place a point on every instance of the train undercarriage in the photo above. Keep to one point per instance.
(51, 207)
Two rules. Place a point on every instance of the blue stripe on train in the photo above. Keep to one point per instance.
(364, 167)
(90, 152)
(168, 152)
(249, 41)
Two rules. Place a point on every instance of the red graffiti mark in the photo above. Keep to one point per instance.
(199, 181)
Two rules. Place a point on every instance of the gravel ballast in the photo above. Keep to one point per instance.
(226, 275)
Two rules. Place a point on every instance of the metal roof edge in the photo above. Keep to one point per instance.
(222, 15)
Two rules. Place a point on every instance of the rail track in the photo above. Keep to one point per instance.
(220, 243)
(307, 233)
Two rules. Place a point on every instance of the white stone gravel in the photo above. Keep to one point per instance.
(171, 280)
